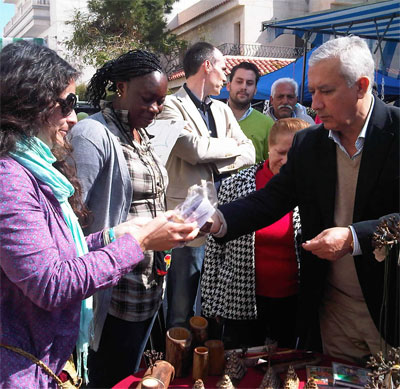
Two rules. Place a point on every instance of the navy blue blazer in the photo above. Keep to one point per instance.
(308, 180)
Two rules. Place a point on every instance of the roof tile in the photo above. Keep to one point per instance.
(264, 65)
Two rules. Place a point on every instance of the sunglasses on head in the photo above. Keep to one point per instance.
(68, 104)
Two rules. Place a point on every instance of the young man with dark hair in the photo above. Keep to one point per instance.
(210, 148)
(242, 87)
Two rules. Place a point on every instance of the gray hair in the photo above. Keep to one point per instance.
(355, 58)
(284, 80)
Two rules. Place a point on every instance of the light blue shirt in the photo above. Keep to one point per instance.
(359, 146)
(247, 113)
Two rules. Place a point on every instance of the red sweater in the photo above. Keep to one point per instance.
(276, 265)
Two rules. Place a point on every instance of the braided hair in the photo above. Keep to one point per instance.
(134, 63)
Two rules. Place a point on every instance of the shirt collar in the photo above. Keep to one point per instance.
(202, 105)
(271, 113)
(359, 144)
(247, 113)
(120, 118)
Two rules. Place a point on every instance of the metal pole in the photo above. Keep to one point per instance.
(307, 36)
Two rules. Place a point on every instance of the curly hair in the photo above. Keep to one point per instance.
(132, 64)
(32, 77)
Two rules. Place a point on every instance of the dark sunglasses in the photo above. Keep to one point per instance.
(68, 104)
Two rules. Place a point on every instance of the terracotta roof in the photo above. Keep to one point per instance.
(176, 75)
(264, 65)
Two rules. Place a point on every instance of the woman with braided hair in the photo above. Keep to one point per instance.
(122, 178)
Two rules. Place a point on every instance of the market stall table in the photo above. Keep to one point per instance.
(252, 379)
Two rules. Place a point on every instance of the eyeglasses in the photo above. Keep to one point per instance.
(68, 104)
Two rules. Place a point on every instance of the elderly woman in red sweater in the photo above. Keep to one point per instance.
(250, 285)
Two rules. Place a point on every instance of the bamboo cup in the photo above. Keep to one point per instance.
(216, 356)
(177, 349)
(198, 326)
(158, 376)
(200, 363)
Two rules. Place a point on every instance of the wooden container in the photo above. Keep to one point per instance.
(199, 327)
(200, 363)
(158, 376)
(177, 349)
(216, 356)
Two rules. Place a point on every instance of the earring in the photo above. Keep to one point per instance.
(119, 93)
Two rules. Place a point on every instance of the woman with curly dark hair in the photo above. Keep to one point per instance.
(123, 178)
(47, 266)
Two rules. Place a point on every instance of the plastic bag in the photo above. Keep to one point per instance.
(199, 205)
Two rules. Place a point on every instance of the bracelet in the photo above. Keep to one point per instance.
(111, 234)
(106, 238)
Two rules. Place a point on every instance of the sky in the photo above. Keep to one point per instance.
(6, 13)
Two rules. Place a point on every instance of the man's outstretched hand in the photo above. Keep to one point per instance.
(331, 244)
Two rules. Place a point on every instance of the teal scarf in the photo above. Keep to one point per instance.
(37, 157)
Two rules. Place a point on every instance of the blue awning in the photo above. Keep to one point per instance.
(378, 23)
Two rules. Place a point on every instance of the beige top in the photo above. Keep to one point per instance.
(197, 156)
(343, 275)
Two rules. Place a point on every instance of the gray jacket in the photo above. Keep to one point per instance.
(107, 190)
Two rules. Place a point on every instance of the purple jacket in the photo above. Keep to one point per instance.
(42, 280)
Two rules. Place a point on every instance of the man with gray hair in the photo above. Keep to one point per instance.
(283, 101)
(344, 176)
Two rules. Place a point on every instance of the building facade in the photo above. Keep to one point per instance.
(47, 19)
(235, 26)
(232, 25)
(238, 22)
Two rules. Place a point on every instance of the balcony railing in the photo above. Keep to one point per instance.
(22, 10)
(260, 51)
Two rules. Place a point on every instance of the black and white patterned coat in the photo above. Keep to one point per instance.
(228, 280)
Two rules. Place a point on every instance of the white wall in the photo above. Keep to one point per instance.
(322, 5)
(255, 12)
(62, 11)
(319, 5)
(217, 25)
(179, 6)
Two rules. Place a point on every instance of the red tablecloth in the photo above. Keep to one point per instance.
(252, 379)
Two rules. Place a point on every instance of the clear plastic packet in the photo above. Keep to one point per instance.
(199, 205)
